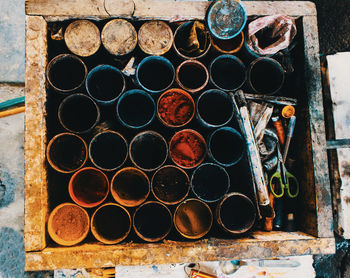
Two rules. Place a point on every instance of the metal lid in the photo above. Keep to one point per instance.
(226, 19)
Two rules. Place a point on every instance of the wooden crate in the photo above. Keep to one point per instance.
(316, 229)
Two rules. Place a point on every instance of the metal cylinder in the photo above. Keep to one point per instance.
(108, 150)
(192, 76)
(130, 187)
(210, 182)
(227, 72)
(135, 109)
(191, 40)
(110, 223)
(214, 108)
(82, 38)
(66, 153)
(226, 146)
(187, 148)
(236, 213)
(229, 46)
(170, 185)
(193, 218)
(68, 224)
(119, 37)
(175, 108)
(148, 150)
(105, 84)
(155, 37)
(155, 74)
(265, 76)
(152, 221)
(78, 113)
(88, 187)
(66, 73)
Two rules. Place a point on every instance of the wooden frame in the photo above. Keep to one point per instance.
(318, 211)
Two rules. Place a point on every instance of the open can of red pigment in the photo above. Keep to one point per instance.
(187, 148)
(175, 108)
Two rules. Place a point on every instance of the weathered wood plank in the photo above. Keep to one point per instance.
(339, 66)
(80, 8)
(35, 135)
(317, 128)
(167, 10)
(95, 255)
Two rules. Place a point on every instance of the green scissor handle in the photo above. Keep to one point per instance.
(291, 180)
(276, 176)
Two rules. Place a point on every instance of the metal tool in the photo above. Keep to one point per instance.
(290, 131)
(283, 181)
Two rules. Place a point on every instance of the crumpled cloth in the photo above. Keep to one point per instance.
(279, 27)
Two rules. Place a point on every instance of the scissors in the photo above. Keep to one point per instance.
(282, 180)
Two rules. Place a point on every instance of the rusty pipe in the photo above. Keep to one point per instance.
(110, 223)
(130, 187)
(193, 218)
(148, 150)
(236, 213)
(78, 113)
(66, 73)
(66, 153)
(152, 221)
(170, 185)
(108, 150)
(88, 187)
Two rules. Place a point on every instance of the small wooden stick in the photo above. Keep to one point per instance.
(254, 156)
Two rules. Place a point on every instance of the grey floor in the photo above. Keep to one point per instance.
(333, 19)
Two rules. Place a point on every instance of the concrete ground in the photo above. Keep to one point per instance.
(334, 29)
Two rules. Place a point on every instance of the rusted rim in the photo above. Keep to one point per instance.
(200, 137)
(218, 214)
(152, 239)
(48, 156)
(54, 61)
(116, 195)
(188, 57)
(101, 238)
(140, 134)
(103, 36)
(55, 237)
(93, 28)
(214, 43)
(140, 35)
(94, 139)
(75, 199)
(75, 96)
(272, 61)
(177, 201)
(180, 91)
(199, 235)
(200, 65)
